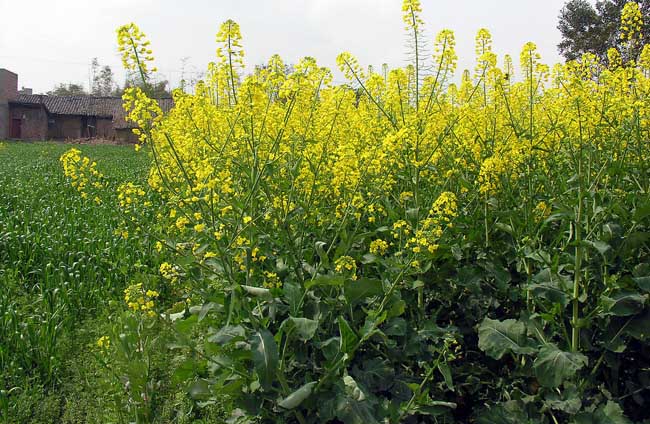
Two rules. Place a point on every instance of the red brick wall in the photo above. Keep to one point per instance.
(8, 91)
(8, 85)
(33, 125)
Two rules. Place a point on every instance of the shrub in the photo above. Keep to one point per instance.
(403, 248)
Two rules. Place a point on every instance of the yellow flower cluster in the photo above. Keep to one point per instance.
(271, 280)
(542, 211)
(346, 264)
(247, 160)
(104, 342)
(144, 111)
(140, 300)
(169, 272)
(128, 195)
(431, 229)
(631, 22)
(82, 172)
(401, 229)
(411, 10)
(134, 48)
(378, 247)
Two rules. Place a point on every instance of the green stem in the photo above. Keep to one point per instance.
(485, 222)
(577, 280)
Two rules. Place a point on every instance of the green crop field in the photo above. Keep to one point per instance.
(63, 269)
(405, 247)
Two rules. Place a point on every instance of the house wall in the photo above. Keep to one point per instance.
(4, 119)
(105, 129)
(126, 135)
(8, 91)
(33, 125)
(63, 127)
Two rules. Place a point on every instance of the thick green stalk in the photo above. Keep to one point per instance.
(577, 272)
(575, 332)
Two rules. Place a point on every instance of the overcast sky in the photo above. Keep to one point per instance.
(52, 41)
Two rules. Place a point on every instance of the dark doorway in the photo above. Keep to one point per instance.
(15, 127)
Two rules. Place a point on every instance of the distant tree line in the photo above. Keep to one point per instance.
(588, 28)
(103, 84)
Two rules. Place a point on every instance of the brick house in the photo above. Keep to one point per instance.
(27, 116)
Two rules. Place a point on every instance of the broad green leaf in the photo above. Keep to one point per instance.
(639, 326)
(624, 303)
(185, 326)
(206, 308)
(330, 347)
(296, 398)
(600, 246)
(372, 323)
(552, 365)
(504, 227)
(568, 400)
(265, 356)
(445, 370)
(396, 327)
(551, 286)
(368, 258)
(185, 370)
(434, 408)
(227, 333)
(641, 276)
(610, 413)
(496, 338)
(352, 412)
(293, 295)
(510, 412)
(325, 280)
(258, 292)
(322, 254)
(643, 283)
(376, 374)
(348, 337)
(304, 327)
(357, 290)
(417, 284)
(199, 389)
(176, 316)
(352, 389)
(397, 308)
(641, 211)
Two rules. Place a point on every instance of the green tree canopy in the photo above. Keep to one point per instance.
(594, 29)
(69, 89)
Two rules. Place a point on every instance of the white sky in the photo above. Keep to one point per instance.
(51, 41)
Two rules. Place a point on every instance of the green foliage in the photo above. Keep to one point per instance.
(588, 28)
(62, 273)
(69, 89)
(553, 366)
(497, 338)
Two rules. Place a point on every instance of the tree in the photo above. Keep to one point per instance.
(102, 79)
(160, 89)
(69, 89)
(105, 82)
(589, 29)
(154, 88)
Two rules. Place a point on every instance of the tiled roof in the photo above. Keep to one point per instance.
(29, 99)
(101, 107)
